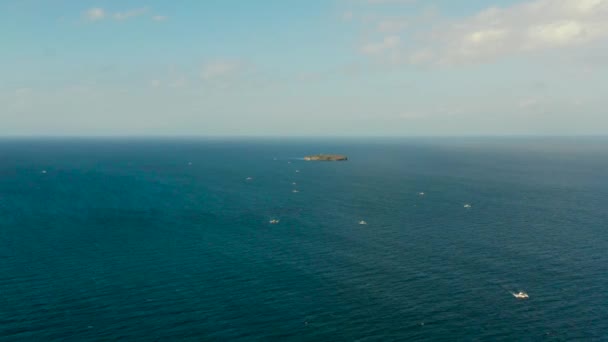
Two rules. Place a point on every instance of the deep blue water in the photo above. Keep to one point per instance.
(124, 240)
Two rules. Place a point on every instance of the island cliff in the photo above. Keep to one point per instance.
(326, 157)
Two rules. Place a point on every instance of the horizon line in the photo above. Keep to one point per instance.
(270, 136)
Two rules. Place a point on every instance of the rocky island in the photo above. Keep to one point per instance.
(326, 157)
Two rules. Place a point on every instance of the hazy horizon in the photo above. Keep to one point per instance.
(295, 137)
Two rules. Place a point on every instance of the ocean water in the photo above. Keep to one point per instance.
(158, 240)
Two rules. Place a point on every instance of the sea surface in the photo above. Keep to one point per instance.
(167, 240)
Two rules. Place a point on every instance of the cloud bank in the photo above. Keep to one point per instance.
(494, 33)
(98, 14)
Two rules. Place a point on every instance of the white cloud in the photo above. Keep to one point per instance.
(129, 14)
(388, 43)
(383, 2)
(532, 26)
(494, 33)
(486, 36)
(392, 25)
(179, 82)
(219, 69)
(561, 33)
(421, 56)
(95, 14)
(160, 17)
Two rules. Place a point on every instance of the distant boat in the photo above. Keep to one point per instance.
(326, 157)
(248, 178)
(274, 221)
(297, 170)
(421, 194)
(521, 295)
(467, 206)
(362, 222)
(295, 191)
(43, 171)
(294, 183)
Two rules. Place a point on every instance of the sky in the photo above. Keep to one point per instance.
(303, 68)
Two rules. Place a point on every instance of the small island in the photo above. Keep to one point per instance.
(326, 157)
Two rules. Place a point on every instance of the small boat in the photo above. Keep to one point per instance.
(297, 170)
(43, 171)
(274, 221)
(294, 183)
(467, 206)
(521, 295)
(421, 194)
(362, 222)
(295, 191)
(248, 178)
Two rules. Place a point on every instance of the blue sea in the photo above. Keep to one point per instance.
(167, 239)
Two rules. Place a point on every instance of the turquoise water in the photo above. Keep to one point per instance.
(125, 239)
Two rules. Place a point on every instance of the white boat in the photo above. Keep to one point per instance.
(421, 194)
(248, 178)
(362, 222)
(467, 206)
(295, 191)
(297, 170)
(274, 221)
(521, 295)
